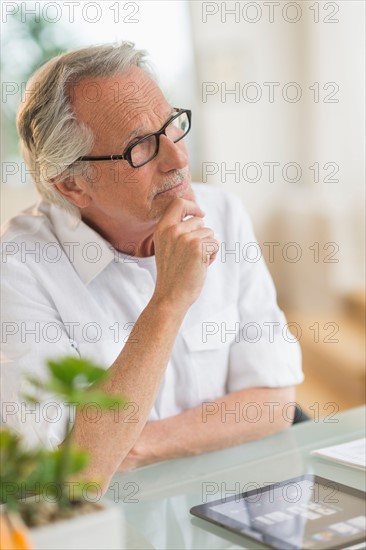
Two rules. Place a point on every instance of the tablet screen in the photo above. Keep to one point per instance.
(308, 512)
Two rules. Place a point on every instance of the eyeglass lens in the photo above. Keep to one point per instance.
(147, 148)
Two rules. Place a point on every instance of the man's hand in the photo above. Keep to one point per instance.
(188, 434)
(134, 460)
(142, 453)
(180, 254)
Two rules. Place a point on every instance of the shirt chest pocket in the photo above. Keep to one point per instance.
(208, 342)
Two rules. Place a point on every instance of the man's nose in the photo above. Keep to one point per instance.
(171, 155)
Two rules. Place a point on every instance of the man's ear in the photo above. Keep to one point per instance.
(74, 191)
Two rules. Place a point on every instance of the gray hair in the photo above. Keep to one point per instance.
(51, 138)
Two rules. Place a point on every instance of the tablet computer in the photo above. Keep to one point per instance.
(307, 512)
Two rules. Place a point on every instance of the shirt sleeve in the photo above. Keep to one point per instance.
(32, 332)
(265, 352)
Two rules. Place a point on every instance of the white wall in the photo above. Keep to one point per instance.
(229, 49)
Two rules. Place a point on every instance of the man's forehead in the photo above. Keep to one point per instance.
(133, 92)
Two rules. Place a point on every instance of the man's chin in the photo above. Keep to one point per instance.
(163, 200)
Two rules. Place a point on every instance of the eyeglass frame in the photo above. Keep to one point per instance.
(127, 153)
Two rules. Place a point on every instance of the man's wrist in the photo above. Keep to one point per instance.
(162, 305)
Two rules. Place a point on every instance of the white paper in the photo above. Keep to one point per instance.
(352, 453)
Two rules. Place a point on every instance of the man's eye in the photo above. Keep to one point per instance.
(130, 143)
(134, 141)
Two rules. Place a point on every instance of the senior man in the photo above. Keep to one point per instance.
(127, 263)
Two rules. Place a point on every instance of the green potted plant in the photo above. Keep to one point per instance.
(40, 485)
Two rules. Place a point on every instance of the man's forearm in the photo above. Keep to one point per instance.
(231, 420)
(137, 373)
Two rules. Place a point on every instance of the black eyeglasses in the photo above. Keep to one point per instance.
(146, 148)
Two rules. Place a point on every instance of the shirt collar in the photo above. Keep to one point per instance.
(88, 252)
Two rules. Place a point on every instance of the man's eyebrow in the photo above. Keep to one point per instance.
(139, 129)
(132, 134)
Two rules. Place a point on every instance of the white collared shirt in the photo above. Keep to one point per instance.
(66, 291)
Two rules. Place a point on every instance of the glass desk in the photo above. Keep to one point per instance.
(156, 499)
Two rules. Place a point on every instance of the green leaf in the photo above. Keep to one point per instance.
(78, 460)
(30, 398)
(72, 371)
(74, 381)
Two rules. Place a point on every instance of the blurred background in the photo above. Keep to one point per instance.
(277, 94)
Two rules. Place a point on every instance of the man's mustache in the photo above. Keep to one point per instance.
(174, 179)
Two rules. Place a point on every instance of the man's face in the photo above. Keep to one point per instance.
(129, 107)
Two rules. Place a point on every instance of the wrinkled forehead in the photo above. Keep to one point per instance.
(122, 100)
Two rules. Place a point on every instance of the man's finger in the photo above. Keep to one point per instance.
(202, 233)
(178, 209)
(192, 224)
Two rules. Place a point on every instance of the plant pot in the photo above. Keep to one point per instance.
(100, 530)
